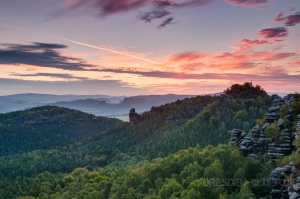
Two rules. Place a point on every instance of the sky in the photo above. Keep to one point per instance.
(133, 47)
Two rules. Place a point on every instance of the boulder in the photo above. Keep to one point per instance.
(279, 194)
(256, 131)
(296, 187)
(280, 122)
(235, 135)
(272, 116)
(294, 196)
(273, 109)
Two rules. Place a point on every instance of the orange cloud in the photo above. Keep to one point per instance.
(187, 56)
(192, 66)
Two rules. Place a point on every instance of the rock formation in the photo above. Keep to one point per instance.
(258, 142)
(134, 118)
(285, 181)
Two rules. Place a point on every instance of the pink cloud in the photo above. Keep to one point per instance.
(247, 3)
(187, 56)
(192, 66)
(297, 63)
(247, 43)
(290, 20)
(267, 56)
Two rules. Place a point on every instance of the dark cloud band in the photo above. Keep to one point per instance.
(39, 54)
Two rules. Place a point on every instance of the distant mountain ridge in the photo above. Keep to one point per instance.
(100, 105)
(141, 103)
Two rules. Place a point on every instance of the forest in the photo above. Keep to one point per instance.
(158, 158)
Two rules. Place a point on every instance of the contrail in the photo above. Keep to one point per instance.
(88, 45)
(107, 49)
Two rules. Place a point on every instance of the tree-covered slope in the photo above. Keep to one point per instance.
(204, 120)
(47, 126)
(163, 131)
(210, 172)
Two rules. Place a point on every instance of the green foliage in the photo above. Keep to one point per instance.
(294, 107)
(272, 132)
(190, 173)
(247, 91)
(46, 127)
(242, 115)
(245, 192)
(108, 164)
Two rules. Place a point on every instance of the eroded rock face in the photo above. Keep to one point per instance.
(236, 135)
(276, 99)
(298, 123)
(134, 118)
(282, 147)
(272, 116)
(279, 183)
(284, 181)
(258, 142)
(256, 131)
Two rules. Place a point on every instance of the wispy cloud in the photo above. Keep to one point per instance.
(108, 7)
(247, 43)
(247, 3)
(157, 8)
(165, 23)
(155, 14)
(187, 56)
(55, 75)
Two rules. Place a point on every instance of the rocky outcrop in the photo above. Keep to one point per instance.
(276, 99)
(282, 147)
(134, 118)
(258, 142)
(278, 182)
(285, 181)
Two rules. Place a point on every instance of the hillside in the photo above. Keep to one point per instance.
(47, 126)
(91, 164)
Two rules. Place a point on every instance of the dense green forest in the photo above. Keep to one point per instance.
(46, 127)
(153, 159)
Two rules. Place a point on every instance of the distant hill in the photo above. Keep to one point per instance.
(141, 103)
(46, 127)
(29, 100)
(100, 105)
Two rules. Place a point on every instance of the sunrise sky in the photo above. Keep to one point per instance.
(131, 47)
